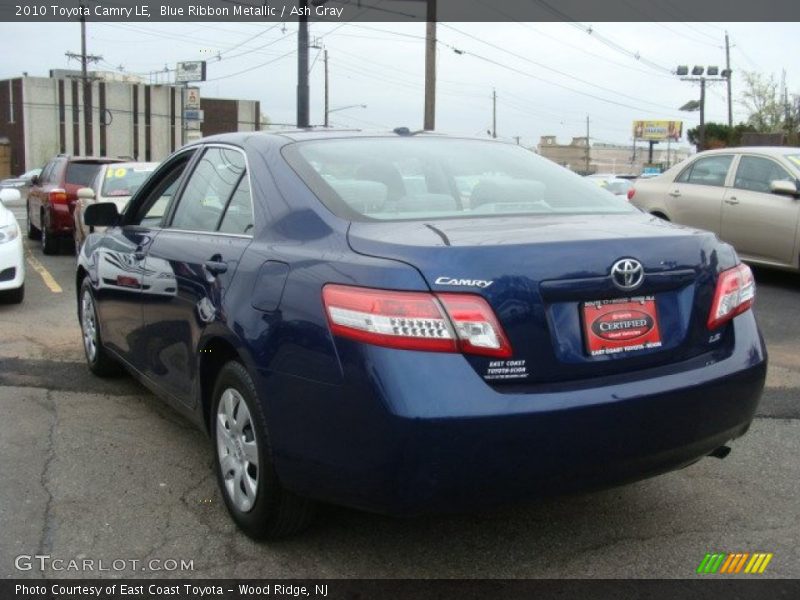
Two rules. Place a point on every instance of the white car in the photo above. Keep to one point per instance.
(12, 260)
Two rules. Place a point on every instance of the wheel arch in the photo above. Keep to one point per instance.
(214, 352)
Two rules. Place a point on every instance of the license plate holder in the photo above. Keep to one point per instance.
(622, 325)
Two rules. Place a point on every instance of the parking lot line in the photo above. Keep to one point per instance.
(48, 279)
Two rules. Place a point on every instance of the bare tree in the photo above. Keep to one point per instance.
(768, 109)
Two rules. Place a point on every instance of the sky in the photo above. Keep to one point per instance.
(548, 76)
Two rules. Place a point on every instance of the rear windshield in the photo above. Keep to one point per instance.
(81, 173)
(123, 181)
(422, 178)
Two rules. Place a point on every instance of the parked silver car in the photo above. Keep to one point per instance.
(747, 196)
(21, 183)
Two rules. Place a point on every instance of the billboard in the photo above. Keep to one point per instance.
(190, 71)
(657, 131)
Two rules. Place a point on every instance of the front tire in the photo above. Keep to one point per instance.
(255, 499)
(98, 359)
(15, 296)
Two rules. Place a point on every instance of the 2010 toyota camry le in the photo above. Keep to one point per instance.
(409, 322)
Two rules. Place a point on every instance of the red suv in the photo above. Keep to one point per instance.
(53, 196)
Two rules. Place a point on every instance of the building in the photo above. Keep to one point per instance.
(44, 116)
(621, 159)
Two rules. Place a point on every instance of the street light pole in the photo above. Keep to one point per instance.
(430, 67)
(702, 114)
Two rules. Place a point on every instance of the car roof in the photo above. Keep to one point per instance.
(769, 150)
(317, 133)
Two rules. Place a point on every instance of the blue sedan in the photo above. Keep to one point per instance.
(408, 323)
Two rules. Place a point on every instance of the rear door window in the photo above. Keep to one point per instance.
(239, 214)
(210, 186)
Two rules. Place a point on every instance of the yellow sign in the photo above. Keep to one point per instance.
(657, 131)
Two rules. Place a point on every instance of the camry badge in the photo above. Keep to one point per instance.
(627, 274)
(480, 283)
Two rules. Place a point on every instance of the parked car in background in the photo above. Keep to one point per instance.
(415, 323)
(618, 186)
(115, 182)
(747, 196)
(21, 183)
(12, 260)
(53, 195)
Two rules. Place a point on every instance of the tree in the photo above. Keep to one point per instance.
(768, 110)
(719, 135)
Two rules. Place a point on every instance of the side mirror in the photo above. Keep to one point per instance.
(9, 196)
(35, 180)
(102, 214)
(784, 188)
(85, 193)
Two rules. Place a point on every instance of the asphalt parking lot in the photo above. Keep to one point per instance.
(103, 470)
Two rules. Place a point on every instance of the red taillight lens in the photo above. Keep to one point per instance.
(631, 194)
(736, 290)
(415, 320)
(58, 197)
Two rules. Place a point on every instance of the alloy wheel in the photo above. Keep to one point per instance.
(237, 450)
(89, 326)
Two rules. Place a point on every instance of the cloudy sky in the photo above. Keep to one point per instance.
(548, 76)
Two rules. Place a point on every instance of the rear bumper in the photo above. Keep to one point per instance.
(419, 433)
(61, 219)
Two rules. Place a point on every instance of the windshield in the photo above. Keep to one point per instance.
(424, 178)
(123, 181)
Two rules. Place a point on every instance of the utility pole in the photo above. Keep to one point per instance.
(494, 113)
(430, 68)
(587, 146)
(728, 68)
(517, 139)
(86, 83)
(302, 66)
(702, 114)
(325, 58)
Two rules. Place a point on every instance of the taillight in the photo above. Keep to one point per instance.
(631, 193)
(58, 197)
(415, 320)
(736, 290)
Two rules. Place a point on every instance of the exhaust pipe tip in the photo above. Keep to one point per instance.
(720, 452)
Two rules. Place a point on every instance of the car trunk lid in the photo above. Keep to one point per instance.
(538, 273)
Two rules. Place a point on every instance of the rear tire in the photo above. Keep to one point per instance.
(15, 296)
(259, 505)
(49, 243)
(33, 232)
(98, 359)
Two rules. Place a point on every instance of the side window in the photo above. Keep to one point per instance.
(208, 189)
(710, 170)
(149, 208)
(239, 214)
(756, 174)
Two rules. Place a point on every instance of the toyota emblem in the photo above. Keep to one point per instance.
(627, 274)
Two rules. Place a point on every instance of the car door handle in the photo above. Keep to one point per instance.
(731, 200)
(675, 193)
(138, 254)
(216, 267)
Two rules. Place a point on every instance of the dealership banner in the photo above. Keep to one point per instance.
(657, 131)
(398, 589)
(259, 11)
